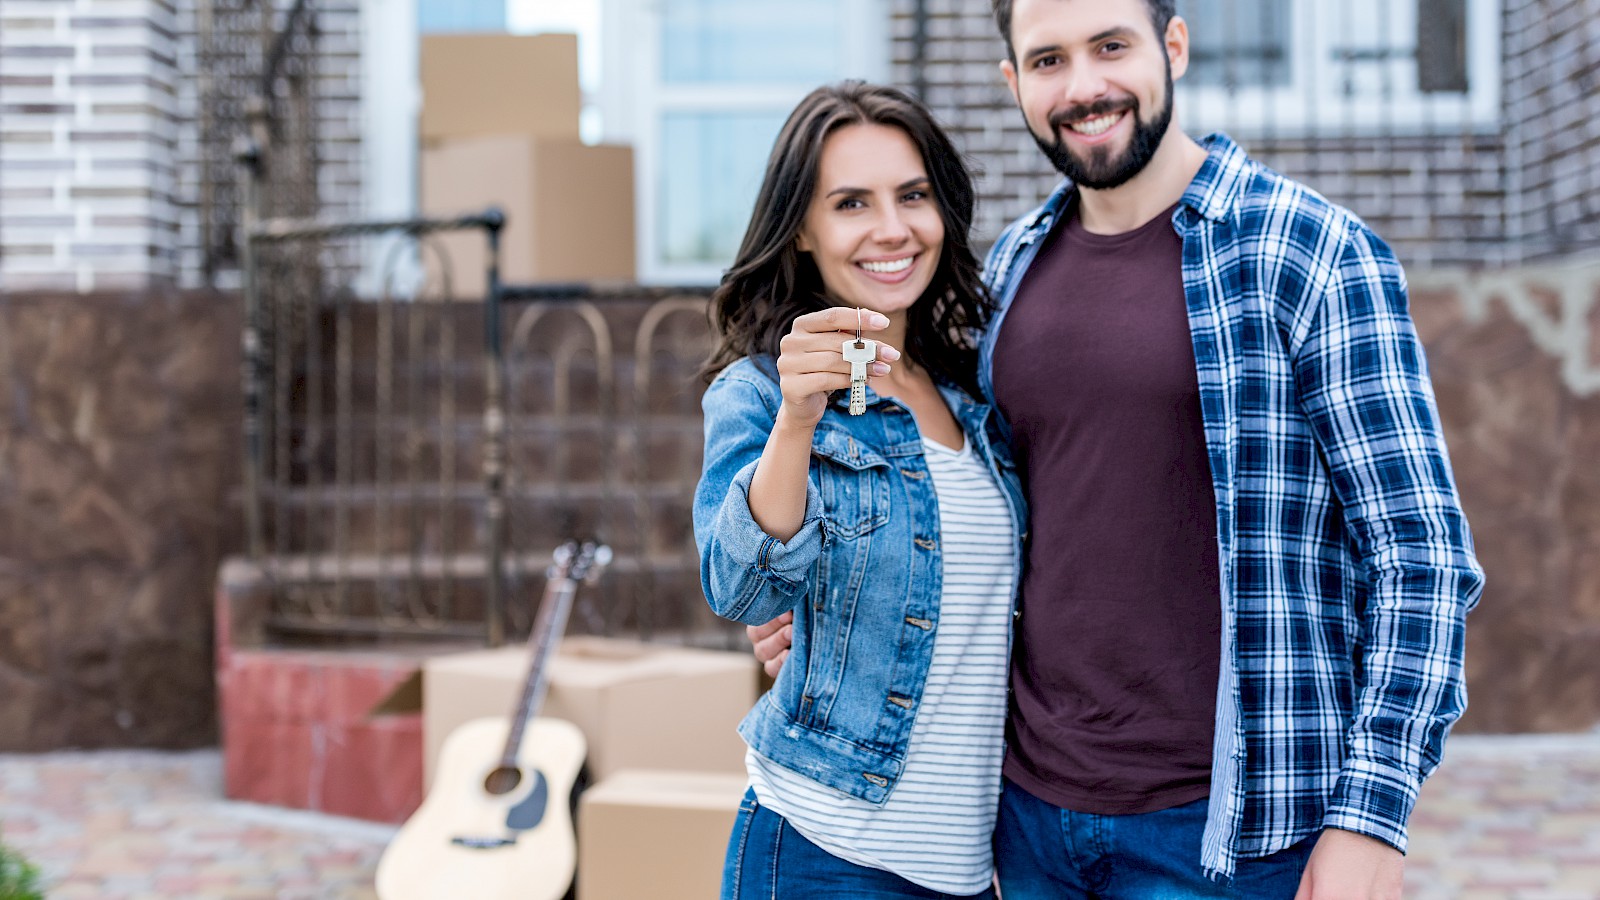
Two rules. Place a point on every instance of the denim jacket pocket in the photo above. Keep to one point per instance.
(854, 483)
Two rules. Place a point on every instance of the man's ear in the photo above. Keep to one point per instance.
(1177, 44)
(1009, 70)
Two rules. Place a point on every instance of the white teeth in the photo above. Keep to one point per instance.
(886, 268)
(1092, 127)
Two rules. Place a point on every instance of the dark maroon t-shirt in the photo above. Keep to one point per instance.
(1115, 672)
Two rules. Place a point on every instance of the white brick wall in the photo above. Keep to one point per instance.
(87, 130)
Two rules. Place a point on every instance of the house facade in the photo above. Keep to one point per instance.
(1464, 131)
(1467, 132)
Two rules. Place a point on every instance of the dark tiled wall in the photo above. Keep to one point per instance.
(119, 436)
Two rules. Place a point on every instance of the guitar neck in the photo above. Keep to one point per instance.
(548, 629)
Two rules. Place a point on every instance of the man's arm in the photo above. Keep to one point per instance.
(1347, 865)
(1364, 386)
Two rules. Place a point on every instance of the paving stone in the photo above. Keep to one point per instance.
(1505, 818)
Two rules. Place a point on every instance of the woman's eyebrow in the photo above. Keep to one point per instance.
(920, 179)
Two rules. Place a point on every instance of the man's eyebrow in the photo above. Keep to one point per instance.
(920, 179)
(1040, 51)
(1118, 31)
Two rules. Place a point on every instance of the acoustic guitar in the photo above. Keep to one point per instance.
(497, 821)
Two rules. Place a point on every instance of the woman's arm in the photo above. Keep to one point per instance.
(758, 517)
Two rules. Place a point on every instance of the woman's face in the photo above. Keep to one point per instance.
(873, 227)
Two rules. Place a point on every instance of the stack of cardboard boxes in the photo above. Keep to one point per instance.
(500, 128)
(665, 760)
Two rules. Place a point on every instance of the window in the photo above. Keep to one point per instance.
(1309, 65)
(700, 89)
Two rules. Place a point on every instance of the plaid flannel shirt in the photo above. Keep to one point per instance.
(1347, 566)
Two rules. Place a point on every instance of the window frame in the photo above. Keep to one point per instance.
(1311, 102)
(635, 98)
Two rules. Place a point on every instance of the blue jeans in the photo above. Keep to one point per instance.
(1044, 852)
(769, 860)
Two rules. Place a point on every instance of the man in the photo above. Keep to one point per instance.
(1240, 630)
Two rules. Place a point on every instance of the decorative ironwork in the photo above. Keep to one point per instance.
(258, 76)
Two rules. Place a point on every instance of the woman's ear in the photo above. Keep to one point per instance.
(801, 244)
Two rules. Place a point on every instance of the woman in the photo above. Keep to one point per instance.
(891, 535)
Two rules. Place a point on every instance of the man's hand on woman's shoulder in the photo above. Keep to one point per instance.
(772, 641)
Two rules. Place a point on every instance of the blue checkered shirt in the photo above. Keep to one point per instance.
(1347, 567)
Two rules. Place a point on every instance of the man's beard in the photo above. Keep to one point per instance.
(1100, 171)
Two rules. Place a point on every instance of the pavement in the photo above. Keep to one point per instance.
(1505, 818)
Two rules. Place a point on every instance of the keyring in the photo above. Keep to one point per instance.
(858, 324)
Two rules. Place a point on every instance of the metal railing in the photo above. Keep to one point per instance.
(412, 458)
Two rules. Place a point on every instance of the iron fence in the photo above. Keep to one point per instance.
(413, 458)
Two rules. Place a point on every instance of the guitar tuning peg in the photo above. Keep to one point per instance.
(599, 559)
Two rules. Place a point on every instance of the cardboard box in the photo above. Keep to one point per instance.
(569, 209)
(640, 706)
(661, 835)
(483, 84)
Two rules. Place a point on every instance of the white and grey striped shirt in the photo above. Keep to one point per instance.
(935, 828)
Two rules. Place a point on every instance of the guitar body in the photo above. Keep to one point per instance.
(468, 841)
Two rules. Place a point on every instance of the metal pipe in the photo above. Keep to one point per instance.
(248, 154)
(494, 449)
(919, 49)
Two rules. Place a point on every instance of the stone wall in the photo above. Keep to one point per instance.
(1516, 365)
(119, 424)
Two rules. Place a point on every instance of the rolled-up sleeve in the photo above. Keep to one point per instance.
(747, 575)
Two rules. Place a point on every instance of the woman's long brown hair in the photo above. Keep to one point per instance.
(772, 283)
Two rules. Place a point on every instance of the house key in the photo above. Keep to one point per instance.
(858, 353)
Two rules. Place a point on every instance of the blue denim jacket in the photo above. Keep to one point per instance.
(863, 575)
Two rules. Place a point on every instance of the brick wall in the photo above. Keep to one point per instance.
(1457, 196)
(88, 125)
(1552, 110)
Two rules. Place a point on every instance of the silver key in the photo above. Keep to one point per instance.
(858, 353)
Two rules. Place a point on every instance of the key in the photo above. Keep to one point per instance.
(858, 353)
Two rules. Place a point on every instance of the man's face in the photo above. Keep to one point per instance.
(1094, 82)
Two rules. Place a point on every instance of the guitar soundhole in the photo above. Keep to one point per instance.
(503, 780)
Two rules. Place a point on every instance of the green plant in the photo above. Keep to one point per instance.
(19, 879)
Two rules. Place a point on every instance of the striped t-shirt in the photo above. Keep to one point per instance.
(935, 828)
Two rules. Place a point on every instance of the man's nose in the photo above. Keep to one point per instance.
(1084, 84)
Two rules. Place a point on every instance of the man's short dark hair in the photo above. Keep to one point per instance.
(1161, 12)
